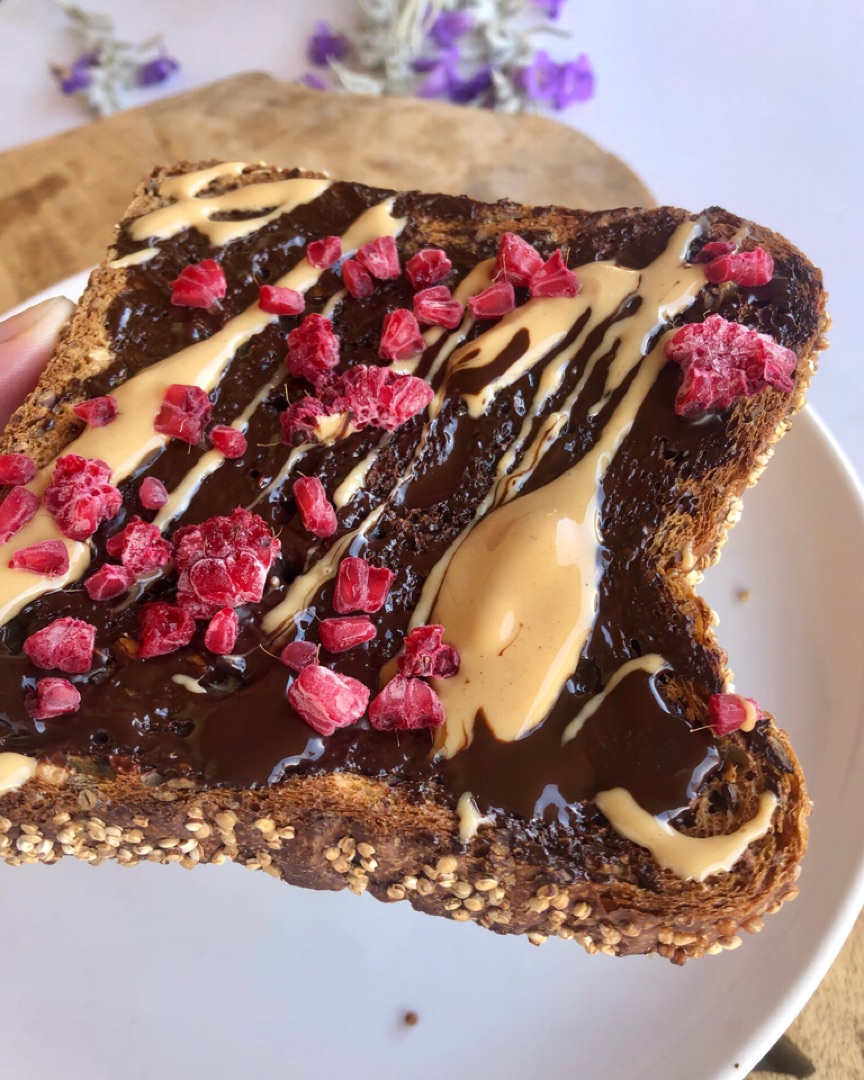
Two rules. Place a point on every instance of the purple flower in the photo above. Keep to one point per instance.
(77, 77)
(551, 8)
(313, 81)
(540, 78)
(325, 45)
(464, 91)
(575, 82)
(157, 70)
(449, 26)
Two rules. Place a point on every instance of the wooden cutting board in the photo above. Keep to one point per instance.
(60, 196)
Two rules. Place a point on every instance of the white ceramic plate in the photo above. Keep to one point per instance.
(158, 973)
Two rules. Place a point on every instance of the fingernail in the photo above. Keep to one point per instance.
(50, 313)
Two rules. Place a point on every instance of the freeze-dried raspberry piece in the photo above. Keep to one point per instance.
(324, 252)
(223, 562)
(361, 586)
(427, 656)
(358, 280)
(49, 558)
(52, 697)
(65, 644)
(427, 267)
(80, 496)
(377, 396)
(165, 628)
(723, 361)
(401, 336)
(730, 712)
(380, 258)
(109, 582)
(220, 637)
(228, 440)
(19, 507)
(140, 547)
(300, 419)
(436, 307)
(517, 261)
(316, 510)
(185, 411)
(152, 494)
(299, 654)
(199, 285)
(745, 268)
(313, 350)
(339, 635)
(554, 279)
(712, 250)
(278, 300)
(16, 468)
(98, 411)
(493, 302)
(327, 700)
(405, 705)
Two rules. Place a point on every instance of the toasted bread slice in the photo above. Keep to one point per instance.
(548, 507)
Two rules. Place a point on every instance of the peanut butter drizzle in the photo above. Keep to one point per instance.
(692, 858)
(519, 596)
(651, 663)
(131, 437)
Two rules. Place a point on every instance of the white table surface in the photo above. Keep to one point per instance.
(756, 107)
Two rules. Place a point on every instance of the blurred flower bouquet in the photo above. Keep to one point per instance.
(474, 52)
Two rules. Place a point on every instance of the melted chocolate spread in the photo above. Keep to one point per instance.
(242, 732)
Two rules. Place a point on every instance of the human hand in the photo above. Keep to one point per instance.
(27, 342)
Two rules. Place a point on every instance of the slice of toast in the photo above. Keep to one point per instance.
(537, 495)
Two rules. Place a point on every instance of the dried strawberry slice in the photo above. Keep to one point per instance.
(405, 705)
(324, 252)
(16, 468)
(339, 635)
(299, 654)
(223, 562)
(98, 411)
(220, 637)
(427, 267)
(712, 250)
(185, 411)
(109, 582)
(300, 418)
(199, 285)
(165, 628)
(313, 350)
(316, 510)
(517, 261)
(746, 268)
(80, 496)
(357, 280)
(377, 396)
(278, 300)
(427, 656)
(140, 547)
(228, 441)
(554, 279)
(729, 712)
(17, 509)
(49, 558)
(723, 361)
(152, 494)
(52, 697)
(327, 700)
(436, 307)
(380, 258)
(361, 586)
(492, 303)
(65, 644)
(401, 337)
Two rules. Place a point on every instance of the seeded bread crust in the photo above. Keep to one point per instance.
(345, 830)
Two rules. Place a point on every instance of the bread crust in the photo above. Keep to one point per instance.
(347, 830)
